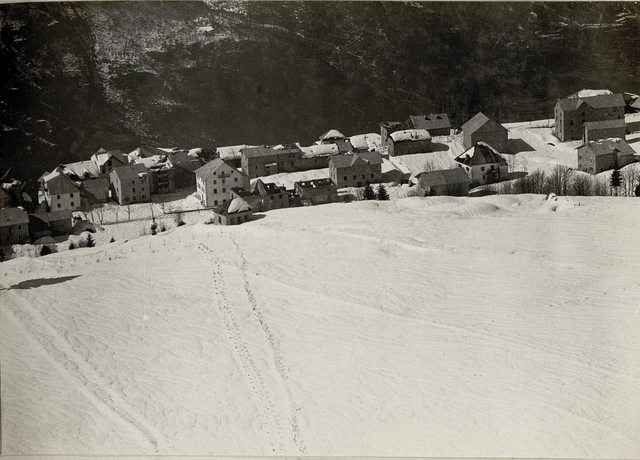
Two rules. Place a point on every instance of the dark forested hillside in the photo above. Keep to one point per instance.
(77, 76)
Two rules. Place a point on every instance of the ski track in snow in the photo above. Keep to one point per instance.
(270, 416)
(75, 367)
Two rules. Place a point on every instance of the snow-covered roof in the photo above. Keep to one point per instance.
(319, 150)
(58, 184)
(332, 134)
(597, 101)
(232, 152)
(410, 135)
(208, 169)
(369, 141)
(82, 169)
(591, 92)
(101, 157)
(234, 206)
(480, 154)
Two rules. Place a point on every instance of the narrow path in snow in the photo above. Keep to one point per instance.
(268, 402)
(76, 368)
(274, 345)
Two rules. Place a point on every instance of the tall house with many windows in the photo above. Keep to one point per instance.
(215, 180)
(584, 107)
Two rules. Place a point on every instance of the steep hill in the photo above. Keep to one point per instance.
(77, 76)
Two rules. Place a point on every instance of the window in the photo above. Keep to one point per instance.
(280, 196)
(235, 179)
(215, 203)
(59, 205)
(372, 176)
(224, 190)
(71, 195)
(215, 190)
(354, 176)
(133, 182)
(223, 180)
(58, 196)
(482, 168)
(256, 166)
(19, 227)
(345, 177)
(143, 189)
(215, 182)
(134, 190)
(72, 203)
(364, 176)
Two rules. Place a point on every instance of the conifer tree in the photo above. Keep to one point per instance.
(381, 193)
(368, 193)
(616, 178)
(90, 241)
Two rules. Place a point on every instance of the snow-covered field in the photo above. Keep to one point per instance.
(499, 326)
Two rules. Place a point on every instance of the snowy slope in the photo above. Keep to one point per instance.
(497, 326)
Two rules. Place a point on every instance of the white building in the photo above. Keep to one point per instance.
(215, 180)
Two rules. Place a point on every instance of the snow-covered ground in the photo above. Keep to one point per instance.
(503, 326)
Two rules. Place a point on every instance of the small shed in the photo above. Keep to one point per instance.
(606, 129)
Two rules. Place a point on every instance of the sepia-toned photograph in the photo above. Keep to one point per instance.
(292, 229)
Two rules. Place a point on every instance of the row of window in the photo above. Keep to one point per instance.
(364, 176)
(235, 179)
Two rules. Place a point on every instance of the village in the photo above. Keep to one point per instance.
(591, 134)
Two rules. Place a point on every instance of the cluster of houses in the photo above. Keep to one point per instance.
(231, 180)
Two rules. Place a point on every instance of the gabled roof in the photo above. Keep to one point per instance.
(608, 146)
(350, 159)
(130, 172)
(606, 124)
(13, 216)
(410, 135)
(332, 134)
(261, 151)
(270, 187)
(234, 206)
(597, 99)
(431, 121)
(478, 121)
(55, 216)
(207, 170)
(443, 177)
(480, 154)
(58, 184)
(82, 169)
(101, 157)
(98, 187)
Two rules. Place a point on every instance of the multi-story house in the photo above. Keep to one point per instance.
(214, 181)
(573, 112)
(355, 170)
(130, 184)
(59, 192)
(481, 128)
(483, 164)
(598, 156)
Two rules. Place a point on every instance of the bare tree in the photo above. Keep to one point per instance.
(582, 185)
(100, 213)
(128, 208)
(559, 180)
(629, 179)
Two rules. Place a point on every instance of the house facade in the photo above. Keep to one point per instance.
(596, 130)
(483, 164)
(451, 182)
(130, 184)
(272, 195)
(107, 161)
(598, 156)
(214, 181)
(481, 128)
(409, 141)
(265, 161)
(233, 212)
(317, 191)
(14, 226)
(355, 170)
(573, 112)
(437, 124)
(59, 192)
